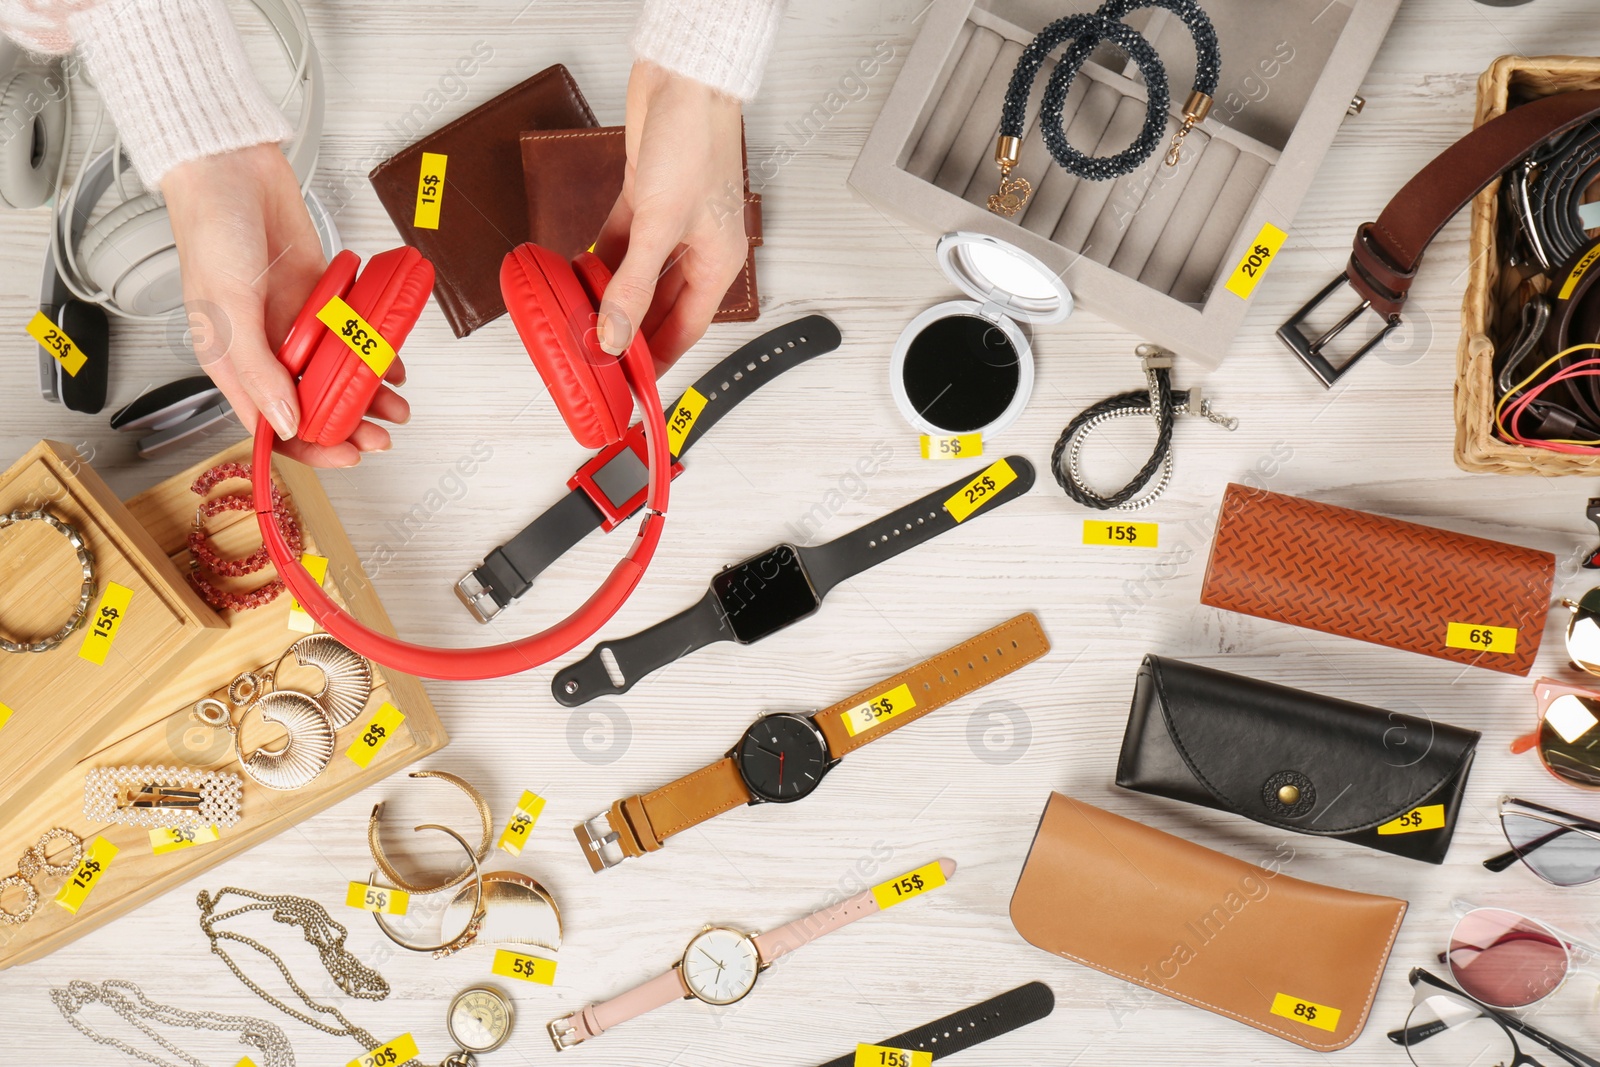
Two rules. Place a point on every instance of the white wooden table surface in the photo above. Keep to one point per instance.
(968, 782)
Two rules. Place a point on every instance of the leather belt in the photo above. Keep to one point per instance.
(1386, 253)
(1546, 192)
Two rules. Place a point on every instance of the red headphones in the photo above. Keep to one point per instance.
(552, 304)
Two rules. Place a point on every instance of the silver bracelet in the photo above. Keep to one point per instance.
(85, 593)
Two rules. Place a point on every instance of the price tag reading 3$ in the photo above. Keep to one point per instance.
(357, 334)
(515, 835)
(57, 343)
(1430, 817)
(1476, 638)
(911, 884)
(508, 964)
(376, 898)
(166, 839)
(879, 710)
(681, 419)
(105, 622)
(975, 494)
(1126, 534)
(398, 1051)
(430, 191)
(884, 1056)
(90, 872)
(1303, 1011)
(371, 740)
(961, 446)
(299, 620)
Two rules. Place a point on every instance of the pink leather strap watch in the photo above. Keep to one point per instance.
(720, 965)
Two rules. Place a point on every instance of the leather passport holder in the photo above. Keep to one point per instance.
(1378, 579)
(1295, 959)
(483, 212)
(1295, 760)
(573, 177)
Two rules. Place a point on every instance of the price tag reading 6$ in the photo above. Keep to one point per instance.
(398, 1051)
(911, 884)
(377, 898)
(105, 622)
(1430, 817)
(975, 494)
(515, 835)
(357, 334)
(879, 710)
(371, 740)
(884, 1056)
(1476, 638)
(1303, 1011)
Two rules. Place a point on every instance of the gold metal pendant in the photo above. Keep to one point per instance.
(1014, 192)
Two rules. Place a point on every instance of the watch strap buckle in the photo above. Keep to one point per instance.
(563, 1034)
(1310, 350)
(601, 844)
(478, 597)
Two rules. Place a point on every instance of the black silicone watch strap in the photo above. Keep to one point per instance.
(960, 1030)
(642, 653)
(508, 572)
(917, 522)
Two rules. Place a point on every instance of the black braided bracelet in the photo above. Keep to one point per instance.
(1086, 32)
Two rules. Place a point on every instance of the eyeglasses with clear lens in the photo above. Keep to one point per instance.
(1559, 847)
(1448, 1028)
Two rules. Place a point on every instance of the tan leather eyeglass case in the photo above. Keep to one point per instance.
(1296, 959)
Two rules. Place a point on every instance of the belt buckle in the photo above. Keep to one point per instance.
(599, 848)
(562, 1033)
(1310, 349)
(476, 596)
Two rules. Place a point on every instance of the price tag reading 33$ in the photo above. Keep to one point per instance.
(911, 884)
(879, 710)
(383, 726)
(884, 1056)
(972, 497)
(1475, 638)
(357, 334)
(398, 1051)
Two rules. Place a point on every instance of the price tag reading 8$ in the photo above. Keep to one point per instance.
(398, 1051)
(370, 741)
(1304, 1011)
(884, 1056)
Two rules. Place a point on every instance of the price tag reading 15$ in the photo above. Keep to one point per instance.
(105, 622)
(90, 872)
(884, 1056)
(1126, 534)
(928, 877)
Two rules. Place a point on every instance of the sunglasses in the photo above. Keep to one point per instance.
(1566, 739)
(1448, 1028)
(1561, 848)
(1508, 960)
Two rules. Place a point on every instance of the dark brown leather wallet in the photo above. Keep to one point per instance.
(573, 177)
(483, 212)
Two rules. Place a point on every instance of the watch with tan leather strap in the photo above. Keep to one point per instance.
(720, 965)
(784, 756)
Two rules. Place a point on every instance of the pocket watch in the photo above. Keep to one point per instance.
(479, 1021)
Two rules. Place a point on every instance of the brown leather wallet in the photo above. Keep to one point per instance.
(1295, 959)
(573, 177)
(483, 213)
(1378, 579)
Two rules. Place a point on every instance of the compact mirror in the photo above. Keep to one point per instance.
(965, 366)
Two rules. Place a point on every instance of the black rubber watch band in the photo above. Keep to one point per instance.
(922, 520)
(509, 571)
(960, 1030)
(824, 566)
(642, 653)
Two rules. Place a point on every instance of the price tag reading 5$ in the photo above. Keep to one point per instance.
(358, 334)
(911, 884)
(515, 835)
(883, 1056)
(90, 872)
(975, 494)
(1303, 1011)
(1476, 638)
(879, 710)
(371, 740)
(376, 898)
(1126, 534)
(1414, 821)
(961, 446)
(105, 622)
(398, 1051)
(508, 964)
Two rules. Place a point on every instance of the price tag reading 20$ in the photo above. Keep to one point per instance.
(928, 877)
(383, 726)
(972, 497)
(398, 1051)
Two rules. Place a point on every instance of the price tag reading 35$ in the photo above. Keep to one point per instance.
(879, 710)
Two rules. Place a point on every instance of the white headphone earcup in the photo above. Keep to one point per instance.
(96, 234)
(131, 255)
(30, 156)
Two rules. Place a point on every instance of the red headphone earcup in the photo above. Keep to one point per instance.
(338, 387)
(553, 314)
(306, 332)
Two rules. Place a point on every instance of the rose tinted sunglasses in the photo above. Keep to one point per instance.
(1509, 960)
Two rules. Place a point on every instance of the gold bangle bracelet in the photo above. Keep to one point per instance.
(470, 931)
(394, 877)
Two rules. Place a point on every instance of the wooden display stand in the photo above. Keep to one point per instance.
(158, 730)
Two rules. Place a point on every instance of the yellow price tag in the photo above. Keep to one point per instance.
(515, 835)
(681, 419)
(982, 489)
(166, 839)
(299, 620)
(5, 716)
(1579, 269)
(879, 710)
(377, 898)
(385, 722)
(105, 622)
(398, 1051)
(1480, 638)
(430, 191)
(911, 884)
(246, 1062)
(1125, 534)
(357, 334)
(90, 872)
(1303, 1011)
(884, 1056)
(1430, 817)
(961, 446)
(508, 964)
(1255, 261)
(55, 341)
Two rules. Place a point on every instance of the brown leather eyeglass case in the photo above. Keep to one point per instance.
(1377, 579)
(1296, 959)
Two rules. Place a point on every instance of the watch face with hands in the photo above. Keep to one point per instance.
(720, 965)
(765, 593)
(782, 757)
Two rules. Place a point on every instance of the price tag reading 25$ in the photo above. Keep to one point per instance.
(972, 497)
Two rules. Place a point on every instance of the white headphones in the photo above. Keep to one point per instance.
(127, 261)
(33, 126)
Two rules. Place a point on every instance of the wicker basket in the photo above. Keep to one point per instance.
(1492, 303)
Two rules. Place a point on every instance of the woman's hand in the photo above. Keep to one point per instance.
(250, 258)
(676, 236)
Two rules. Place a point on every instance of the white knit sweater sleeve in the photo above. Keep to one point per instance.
(721, 43)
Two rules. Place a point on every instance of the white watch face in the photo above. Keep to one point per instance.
(719, 966)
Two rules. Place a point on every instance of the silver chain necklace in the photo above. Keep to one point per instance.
(319, 929)
(129, 1001)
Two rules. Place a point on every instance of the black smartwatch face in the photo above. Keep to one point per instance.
(782, 757)
(622, 478)
(764, 594)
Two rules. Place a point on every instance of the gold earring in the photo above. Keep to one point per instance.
(346, 676)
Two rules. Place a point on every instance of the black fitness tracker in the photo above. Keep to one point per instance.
(962, 1029)
(611, 486)
(777, 588)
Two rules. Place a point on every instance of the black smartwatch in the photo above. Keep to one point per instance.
(962, 1029)
(779, 587)
(610, 487)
